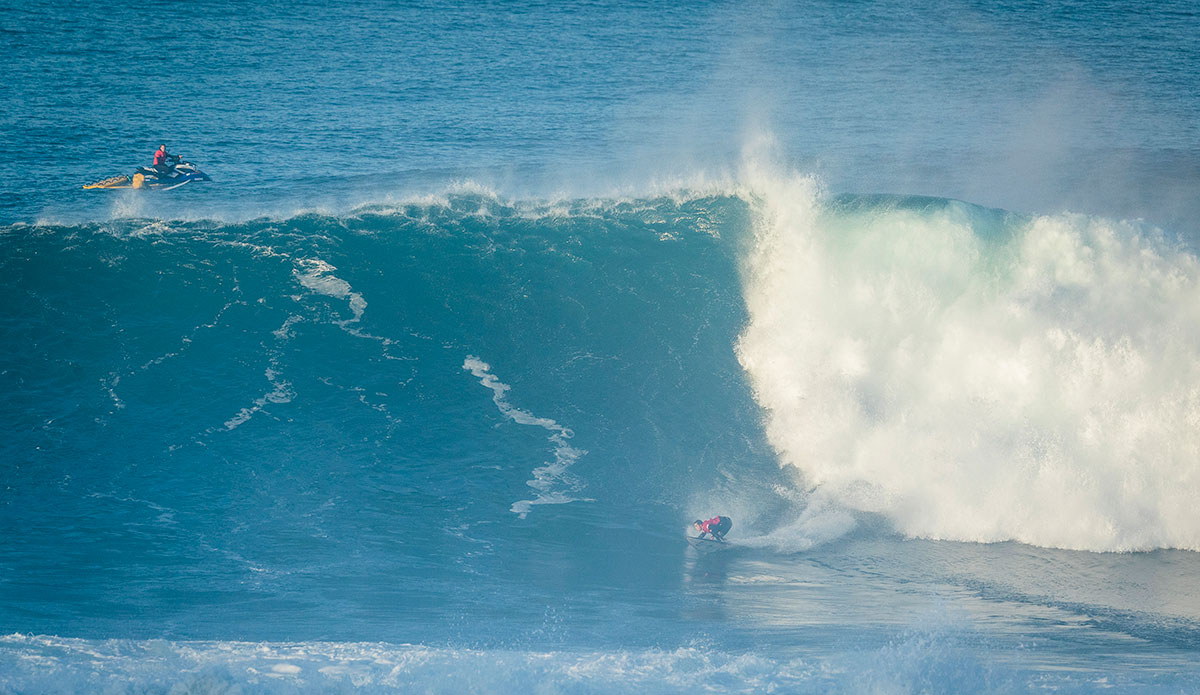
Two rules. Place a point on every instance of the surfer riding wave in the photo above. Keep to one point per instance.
(716, 527)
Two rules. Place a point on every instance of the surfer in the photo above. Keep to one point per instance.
(717, 527)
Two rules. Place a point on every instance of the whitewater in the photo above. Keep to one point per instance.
(484, 305)
(976, 376)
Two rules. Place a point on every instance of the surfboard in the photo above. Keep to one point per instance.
(707, 545)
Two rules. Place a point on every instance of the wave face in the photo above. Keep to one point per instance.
(452, 443)
(966, 373)
(400, 397)
(978, 376)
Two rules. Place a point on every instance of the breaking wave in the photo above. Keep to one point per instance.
(977, 375)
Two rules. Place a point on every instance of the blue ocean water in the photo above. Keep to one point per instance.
(485, 303)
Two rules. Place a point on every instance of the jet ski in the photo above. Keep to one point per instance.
(162, 178)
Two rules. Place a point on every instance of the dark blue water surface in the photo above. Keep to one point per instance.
(1085, 106)
(486, 302)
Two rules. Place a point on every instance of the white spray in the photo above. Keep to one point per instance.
(1043, 387)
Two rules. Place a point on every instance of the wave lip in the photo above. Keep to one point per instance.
(1038, 383)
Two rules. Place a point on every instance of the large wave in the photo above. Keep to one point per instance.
(966, 373)
(976, 375)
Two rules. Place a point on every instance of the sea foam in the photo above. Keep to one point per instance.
(1039, 382)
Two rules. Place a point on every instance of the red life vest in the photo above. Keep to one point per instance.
(160, 156)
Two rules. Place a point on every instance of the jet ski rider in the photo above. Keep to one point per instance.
(165, 163)
(718, 526)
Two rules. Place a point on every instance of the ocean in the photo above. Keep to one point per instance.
(485, 303)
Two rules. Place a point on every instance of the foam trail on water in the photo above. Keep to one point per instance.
(281, 393)
(317, 275)
(43, 663)
(1040, 385)
(554, 473)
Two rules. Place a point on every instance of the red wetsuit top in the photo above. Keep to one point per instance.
(160, 157)
(711, 522)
